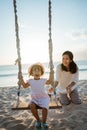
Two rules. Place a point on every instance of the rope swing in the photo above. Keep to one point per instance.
(25, 106)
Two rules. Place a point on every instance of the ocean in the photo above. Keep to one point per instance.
(9, 73)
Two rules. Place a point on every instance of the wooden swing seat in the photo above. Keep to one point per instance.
(25, 106)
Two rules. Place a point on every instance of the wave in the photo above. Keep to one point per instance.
(15, 74)
(7, 75)
(83, 69)
(11, 75)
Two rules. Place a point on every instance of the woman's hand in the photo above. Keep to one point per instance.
(68, 89)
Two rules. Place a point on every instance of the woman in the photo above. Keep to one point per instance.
(67, 78)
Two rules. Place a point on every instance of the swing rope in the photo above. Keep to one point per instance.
(50, 46)
(50, 53)
(18, 61)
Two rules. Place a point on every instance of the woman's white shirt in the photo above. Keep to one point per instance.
(65, 78)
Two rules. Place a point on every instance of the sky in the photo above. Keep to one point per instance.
(69, 30)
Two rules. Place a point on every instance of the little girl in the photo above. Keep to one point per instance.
(67, 78)
(38, 93)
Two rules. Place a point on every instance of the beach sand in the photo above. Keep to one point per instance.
(70, 117)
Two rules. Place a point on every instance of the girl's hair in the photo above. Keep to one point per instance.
(72, 66)
(34, 66)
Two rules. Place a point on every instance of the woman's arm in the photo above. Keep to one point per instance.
(75, 79)
(70, 86)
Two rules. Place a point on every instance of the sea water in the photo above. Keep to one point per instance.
(9, 73)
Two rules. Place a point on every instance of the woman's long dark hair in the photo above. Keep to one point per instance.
(72, 67)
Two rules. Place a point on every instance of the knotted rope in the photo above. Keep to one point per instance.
(50, 52)
(18, 61)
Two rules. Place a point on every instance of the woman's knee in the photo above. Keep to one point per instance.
(64, 100)
(75, 97)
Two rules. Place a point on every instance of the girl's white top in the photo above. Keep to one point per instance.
(65, 78)
(38, 92)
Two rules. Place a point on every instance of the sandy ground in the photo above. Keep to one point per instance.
(71, 117)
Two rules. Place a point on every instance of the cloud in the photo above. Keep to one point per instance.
(81, 55)
(81, 34)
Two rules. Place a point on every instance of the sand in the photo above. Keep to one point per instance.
(70, 117)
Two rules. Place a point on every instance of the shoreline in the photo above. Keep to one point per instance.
(15, 86)
(70, 117)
